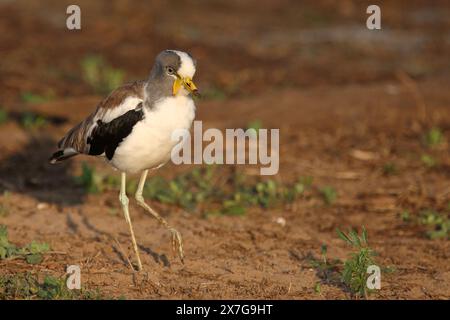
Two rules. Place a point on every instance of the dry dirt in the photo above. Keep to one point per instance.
(346, 102)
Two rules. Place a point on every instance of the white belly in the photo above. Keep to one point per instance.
(150, 142)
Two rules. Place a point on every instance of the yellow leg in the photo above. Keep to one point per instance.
(124, 202)
(177, 242)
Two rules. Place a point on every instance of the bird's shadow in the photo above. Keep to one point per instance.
(327, 271)
(28, 171)
(158, 258)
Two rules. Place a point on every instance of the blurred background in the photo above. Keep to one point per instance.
(244, 48)
(364, 122)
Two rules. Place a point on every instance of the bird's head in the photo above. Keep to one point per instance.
(174, 71)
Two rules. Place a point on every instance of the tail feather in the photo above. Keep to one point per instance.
(62, 154)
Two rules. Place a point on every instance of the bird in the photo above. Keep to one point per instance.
(132, 130)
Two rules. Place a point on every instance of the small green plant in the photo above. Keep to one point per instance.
(405, 216)
(54, 288)
(201, 189)
(32, 252)
(428, 161)
(390, 169)
(328, 194)
(32, 121)
(3, 116)
(255, 124)
(354, 274)
(99, 75)
(89, 179)
(94, 182)
(433, 137)
(318, 288)
(33, 98)
(28, 286)
(438, 224)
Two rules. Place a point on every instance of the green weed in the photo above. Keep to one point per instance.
(354, 274)
(428, 161)
(28, 286)
(201, 189)
(433, 137)
(438, 224)
(329, 195)
(254, 125)
(405, 216)
(31, 121)
(33, 98)
(32, 252)
(90, 180)
(99, 75)
(318, 288)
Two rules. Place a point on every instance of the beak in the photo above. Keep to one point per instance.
(190, 86)
(187, 83)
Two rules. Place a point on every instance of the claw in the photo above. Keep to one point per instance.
(177, 243)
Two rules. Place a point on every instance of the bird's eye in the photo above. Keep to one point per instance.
(170, 70)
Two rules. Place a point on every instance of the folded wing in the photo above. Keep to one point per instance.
(103, 130)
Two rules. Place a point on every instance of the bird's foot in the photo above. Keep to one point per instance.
(177, 243)
(142, 279)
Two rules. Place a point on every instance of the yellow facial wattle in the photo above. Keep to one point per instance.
(176, 86)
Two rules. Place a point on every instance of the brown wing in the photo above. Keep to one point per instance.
(75, 141)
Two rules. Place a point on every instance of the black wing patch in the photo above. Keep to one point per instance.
(107, 136)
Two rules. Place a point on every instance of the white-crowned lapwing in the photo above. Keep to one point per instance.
(132, 128)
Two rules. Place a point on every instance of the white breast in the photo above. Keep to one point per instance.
(150, 143)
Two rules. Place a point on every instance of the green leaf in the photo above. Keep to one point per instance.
(329, 195)
(34, 258)
(434, 137)
(36, 247)
(343, 236)
(3, 236)
(2, 253)
(256, 125)
(317, 288)
(364, 235)
(323, 249)
(428, 161)
(235, 210)
(32, 98)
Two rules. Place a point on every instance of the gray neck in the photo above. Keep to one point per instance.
(158, 86)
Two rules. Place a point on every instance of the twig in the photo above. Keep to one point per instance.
(123, 253)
